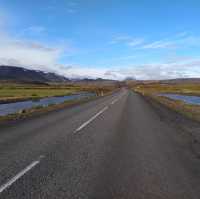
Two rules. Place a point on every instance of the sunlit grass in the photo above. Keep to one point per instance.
(15, 92)
(154, 89)
(25, 92)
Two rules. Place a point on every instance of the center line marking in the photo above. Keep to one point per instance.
(19, 175)
(91, 119)
(114, 101)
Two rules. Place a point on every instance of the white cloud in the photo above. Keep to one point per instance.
(34, 55)
(84, 72)
(178, 41)
(35, 29)
(26, 53)
(135, 42)
(183, 43)
(40, 56)
(185, 69)
(181, 40)
(160, 44)
(182, 34)
(190, 41)
(127, 40)
(155, 71)
(31, 54)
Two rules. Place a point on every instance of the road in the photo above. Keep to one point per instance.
(113, 147)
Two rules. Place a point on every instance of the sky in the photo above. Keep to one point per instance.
(112, 39)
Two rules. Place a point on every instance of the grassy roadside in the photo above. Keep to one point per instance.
(18, 92)
(12, 92)
(156, 88)
(39, 110)
(152, 91)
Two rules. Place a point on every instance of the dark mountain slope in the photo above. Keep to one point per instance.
(13, 73)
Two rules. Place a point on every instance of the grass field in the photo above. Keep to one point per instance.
(11, 92)
(156, 88)
(18, 92)
(152, 90)
(23, 92)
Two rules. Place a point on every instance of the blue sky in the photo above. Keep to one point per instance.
(115, 39)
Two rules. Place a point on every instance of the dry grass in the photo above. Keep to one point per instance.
(15, 92)
(20, 92)
(156, 88)
(152, 90)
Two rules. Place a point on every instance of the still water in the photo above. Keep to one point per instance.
(15, 107)
(185, 98)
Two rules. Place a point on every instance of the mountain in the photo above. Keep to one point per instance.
(19, 74)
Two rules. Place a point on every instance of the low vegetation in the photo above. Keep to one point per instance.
(19, 92)
(152, 90)
(157, 88)
(12, 92)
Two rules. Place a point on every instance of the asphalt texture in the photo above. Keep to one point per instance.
(115, 147)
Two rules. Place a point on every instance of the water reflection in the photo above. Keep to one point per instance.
(15, 107)
(185, 98)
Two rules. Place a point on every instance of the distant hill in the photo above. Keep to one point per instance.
(18, 74)
(23, 75)
(177, 81)
(181, 81)
(95, 82)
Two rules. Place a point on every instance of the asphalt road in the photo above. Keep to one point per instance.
(113, 147)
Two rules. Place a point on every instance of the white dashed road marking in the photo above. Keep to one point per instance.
(114, 101)
(91, 119)
(20, 174)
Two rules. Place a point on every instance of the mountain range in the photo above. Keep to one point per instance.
(19, 74)
(23, 75)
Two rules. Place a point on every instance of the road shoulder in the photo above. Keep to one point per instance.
(185, 126)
